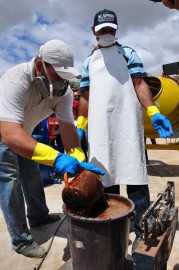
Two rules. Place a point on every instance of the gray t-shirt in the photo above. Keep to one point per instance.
(21, 102)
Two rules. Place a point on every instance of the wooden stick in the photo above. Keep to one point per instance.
(66, 180)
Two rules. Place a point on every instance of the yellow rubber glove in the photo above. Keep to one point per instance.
(44, 154)
(152, 110)
(77, 153)
(82, 123)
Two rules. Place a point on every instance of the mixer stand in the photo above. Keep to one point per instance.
(159, 224)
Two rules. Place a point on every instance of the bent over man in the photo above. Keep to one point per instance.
(29, 93)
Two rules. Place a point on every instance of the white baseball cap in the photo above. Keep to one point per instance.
(59, 55)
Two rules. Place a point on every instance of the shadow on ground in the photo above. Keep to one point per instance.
(42, 234)
(66, 255)
(159, 168)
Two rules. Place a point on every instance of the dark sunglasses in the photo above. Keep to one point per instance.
(76, 95)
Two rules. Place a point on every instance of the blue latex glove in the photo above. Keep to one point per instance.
(65, 163)
(81, 133)
(162, 125)
(92, 168)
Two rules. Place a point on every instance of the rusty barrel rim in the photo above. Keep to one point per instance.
(102, 220)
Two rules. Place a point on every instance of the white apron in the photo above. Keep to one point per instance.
(115, 129)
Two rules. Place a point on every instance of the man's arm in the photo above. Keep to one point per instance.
(143, 92)
(83, 104)
(69, 136)
(160, 122)
(23, 144)
(17, 139)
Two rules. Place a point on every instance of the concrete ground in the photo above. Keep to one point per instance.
(163, 166)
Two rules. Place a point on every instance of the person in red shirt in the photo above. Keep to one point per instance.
(76, 98)
(76, 95)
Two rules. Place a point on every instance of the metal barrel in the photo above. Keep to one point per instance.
(100, 243)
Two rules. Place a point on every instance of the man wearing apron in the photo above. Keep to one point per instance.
(113, 92)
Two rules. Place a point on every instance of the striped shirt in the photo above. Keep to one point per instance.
(135, 66)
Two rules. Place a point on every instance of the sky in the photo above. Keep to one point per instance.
(149, 28)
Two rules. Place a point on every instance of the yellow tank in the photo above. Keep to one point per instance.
(166, 96)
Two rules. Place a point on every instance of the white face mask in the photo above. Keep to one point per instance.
(106, 40)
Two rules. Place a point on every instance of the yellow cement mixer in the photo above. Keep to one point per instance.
(166, 96)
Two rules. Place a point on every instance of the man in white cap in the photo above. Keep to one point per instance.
(112, 92)
(29, 93)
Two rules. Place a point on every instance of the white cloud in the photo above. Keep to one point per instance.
(150, 28)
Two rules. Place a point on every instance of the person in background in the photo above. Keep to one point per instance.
(172, 4)
(76, 98)
(29, 93)
(173, 78)
(113, 92)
